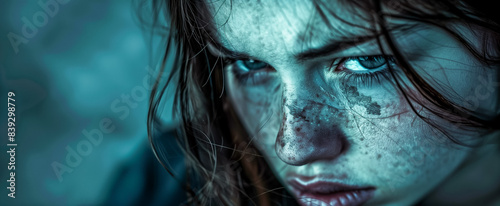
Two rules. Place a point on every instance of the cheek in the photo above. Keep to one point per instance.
(400, 150)
(355, 98)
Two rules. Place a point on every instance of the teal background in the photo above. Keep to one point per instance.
(66, 78)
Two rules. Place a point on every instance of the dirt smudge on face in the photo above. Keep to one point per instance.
(355, 97)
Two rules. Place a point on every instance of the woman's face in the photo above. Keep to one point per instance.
(313, 98)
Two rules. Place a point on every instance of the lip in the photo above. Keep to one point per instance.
(328, 193)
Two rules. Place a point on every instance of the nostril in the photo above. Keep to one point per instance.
(309, 133)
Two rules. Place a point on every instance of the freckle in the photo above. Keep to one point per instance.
(373, 108)
(280, 140)
(360, 99)
(366, 152)
(298, 129)
(341, 115)
(407, 172)
(317, 95)
(379, 156)
(362, 139)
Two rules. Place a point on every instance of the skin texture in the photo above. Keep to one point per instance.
(309, 120)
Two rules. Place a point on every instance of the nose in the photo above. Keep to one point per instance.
(309, 129)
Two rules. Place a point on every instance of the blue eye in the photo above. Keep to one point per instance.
(252, 72)
(372, 62)
(366, 63)
(365, 70)
(251, 65)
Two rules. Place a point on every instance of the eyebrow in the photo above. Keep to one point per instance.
(230, 53)
(330, 48)
(335, 46)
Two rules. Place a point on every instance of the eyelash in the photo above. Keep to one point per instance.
(347, 76)
(364, 78)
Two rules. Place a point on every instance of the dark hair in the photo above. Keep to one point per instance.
(227, 169)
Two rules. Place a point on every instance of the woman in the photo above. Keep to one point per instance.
(335, 102)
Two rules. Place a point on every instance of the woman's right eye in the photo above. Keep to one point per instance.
(252, 72)
(251, 65)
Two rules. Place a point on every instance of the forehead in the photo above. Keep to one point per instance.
(274, 26)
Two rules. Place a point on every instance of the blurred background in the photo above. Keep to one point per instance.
(80, 71)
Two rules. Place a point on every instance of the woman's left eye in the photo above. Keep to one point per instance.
(364, 70)
(364, 63)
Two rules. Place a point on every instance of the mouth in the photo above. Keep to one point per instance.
(324, 193)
